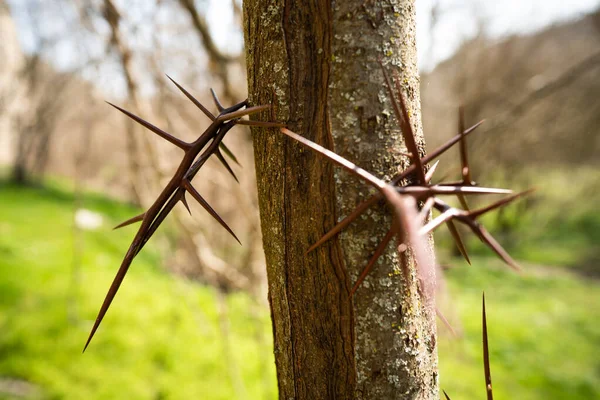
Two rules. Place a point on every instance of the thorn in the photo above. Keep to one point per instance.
(188, 186)
(130, 221)
(224, 162)
(185, 203)
(463, 202)
(241, 113)
(499, 203)
(436, 222)
(378, 252)
(167, 136)
(341, 161)
(489, 240)
(431, 171)
(486, 354)
(446, 394)
(264, 124)
(458, 240)
(405, 126)
(445, 321)
(193, 100)
(229, 153)
(216, 100)
(424, 213)
(344, 222)
(465, 170)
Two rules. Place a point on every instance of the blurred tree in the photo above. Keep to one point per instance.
(317, 64)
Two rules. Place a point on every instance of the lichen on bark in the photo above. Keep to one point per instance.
(395, 350)
(316, 62)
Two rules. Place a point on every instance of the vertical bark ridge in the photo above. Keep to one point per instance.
(288, 48)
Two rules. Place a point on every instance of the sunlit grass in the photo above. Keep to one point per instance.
(161, 338)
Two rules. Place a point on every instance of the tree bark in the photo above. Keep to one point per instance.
(316, 62)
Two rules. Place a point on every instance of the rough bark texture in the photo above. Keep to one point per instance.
(316, 62)
(396, 355)
(288, 47)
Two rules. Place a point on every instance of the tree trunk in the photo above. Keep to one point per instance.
(316, 62)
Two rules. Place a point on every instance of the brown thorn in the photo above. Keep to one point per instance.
(437, 221)
(436, 153)
(499, 203)
(131, 220)
(463, 201)
(264, 124)
(229, 153)
(449, 190)
(193, 100)
(341, 161)
(188, 186)
(424, 213)
(431, 171)
(358, 210)
(405, 126)
(241, 113)
(489, 240)
(216, 100)
(465, 170)
(185, 203)
(167, 136)
(486, 354)
(458, 240)
(378, 252)
(445, 321)
(225, 164)
(446, 394)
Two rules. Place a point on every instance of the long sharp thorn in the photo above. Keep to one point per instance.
(216, 100)
(405, 125)
(446, 394)
(185, 203)
(445, 321)
(265, 124)
(458, 240)
(499, 203)
(437, 221)
(424, 213)
(229, 153)
(489, 240)
(112, 291)
(341, 161)
(131, 220)
(193, 100)
(188, 186)
(344, 222)
(435, 153)
(235, 107)
(431, 171)
(242, 113)
(449, 190)
(486, 354)
(378, 252)
(463, 201)
(167, 136)
(464, 158)
(226, 165)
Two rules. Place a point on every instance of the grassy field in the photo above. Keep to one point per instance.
(162, 338)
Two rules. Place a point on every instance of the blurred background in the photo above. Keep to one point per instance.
(191, 320)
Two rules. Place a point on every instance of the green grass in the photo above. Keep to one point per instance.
(161, 338)
(543, 331)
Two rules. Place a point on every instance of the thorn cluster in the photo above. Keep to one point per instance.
(420, 189)
(195, 155)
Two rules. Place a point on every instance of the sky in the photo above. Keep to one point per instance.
(458, 21)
